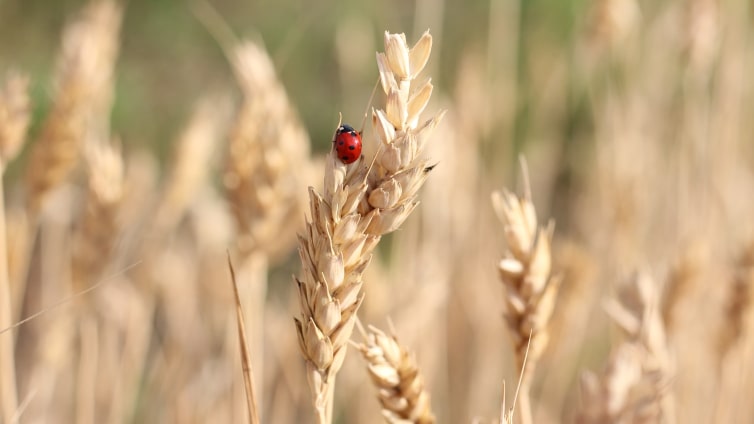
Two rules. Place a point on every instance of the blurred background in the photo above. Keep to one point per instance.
(633, 116)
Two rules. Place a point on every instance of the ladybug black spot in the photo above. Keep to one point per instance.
(351, 147)
(345, 158)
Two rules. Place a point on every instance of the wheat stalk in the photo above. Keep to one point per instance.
(266, 165)
(14, 121)
(395, 374)
(530, 290)
(359, 204)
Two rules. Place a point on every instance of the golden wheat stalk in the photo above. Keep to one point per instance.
(265, 172)
(359, 205)
(14, 121)
(530, 289)
(636, 384)
(395, 374)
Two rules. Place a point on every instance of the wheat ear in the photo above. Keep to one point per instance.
(400, 386)
(265, 169)
(14, 121)
(98, 230)
(530, 290)
(268, 154)
(635, 385)
(90, 45)
(360, 203)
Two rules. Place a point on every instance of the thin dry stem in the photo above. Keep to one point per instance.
(395, 374)
(8, 394)
(248, 374)
(360, 203)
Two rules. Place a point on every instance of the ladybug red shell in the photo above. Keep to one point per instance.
(347, 144)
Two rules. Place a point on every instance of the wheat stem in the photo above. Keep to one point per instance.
(8, 394)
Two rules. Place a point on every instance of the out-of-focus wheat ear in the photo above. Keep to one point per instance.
(608, 397)
(266, 171)
(192, 160)
(636, 383)
(15, 113)
(93, 245)
(82, 95)
(361, 202)
(396, 376)
(98, 227)
(530, 289)
(267, 164)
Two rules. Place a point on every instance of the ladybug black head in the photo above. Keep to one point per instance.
(345, 128)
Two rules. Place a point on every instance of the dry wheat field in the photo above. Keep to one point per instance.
(543, 226)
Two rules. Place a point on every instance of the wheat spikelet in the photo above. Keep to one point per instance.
(358, 206)
(85, 67)
(635, 386)
(530, 290)
(15, 113)
(400, 386)
(268, 157)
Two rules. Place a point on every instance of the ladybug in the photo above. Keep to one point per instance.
(347, 144)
